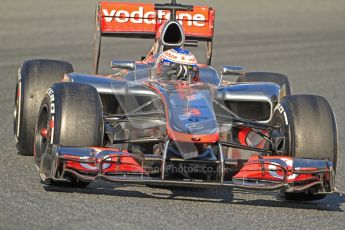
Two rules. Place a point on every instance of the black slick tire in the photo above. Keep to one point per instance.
(34, 78)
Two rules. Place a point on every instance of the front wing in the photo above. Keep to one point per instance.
(258, 173)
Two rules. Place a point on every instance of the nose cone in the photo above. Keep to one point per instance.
(190, 114)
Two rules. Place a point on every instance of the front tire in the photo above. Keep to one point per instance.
(70, 115)
(34, 78)
(309, 127)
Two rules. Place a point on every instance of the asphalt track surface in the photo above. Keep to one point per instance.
(303, 39)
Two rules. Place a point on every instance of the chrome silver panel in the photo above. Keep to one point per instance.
(111, 85)
(260, 92)
(232, 70)
(119, 64)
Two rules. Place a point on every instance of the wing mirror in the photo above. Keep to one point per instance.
(128, 65)
(232, 70)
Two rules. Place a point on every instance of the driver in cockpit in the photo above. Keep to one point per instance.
(177, 64)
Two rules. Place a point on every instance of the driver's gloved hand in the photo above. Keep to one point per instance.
(178, 71)
(181, 72)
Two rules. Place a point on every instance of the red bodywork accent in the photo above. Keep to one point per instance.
(267, 169)
(243, 135)
(121, 162)
(142, 18)
(185, 137)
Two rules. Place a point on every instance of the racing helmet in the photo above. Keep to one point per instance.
(177, 63)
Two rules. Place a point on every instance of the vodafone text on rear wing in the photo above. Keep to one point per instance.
(143, 20)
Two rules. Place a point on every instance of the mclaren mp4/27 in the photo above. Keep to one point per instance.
(143, 125)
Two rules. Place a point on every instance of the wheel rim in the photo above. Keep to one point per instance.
(42, 134)
(283, 147)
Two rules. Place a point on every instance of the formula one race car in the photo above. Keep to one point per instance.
(169, 120)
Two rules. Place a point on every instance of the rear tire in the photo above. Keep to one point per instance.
(70, 115)
(34, 78)
(279, 79)
(310, 131)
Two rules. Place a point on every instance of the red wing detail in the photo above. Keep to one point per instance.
(119, 17)
(272, 169)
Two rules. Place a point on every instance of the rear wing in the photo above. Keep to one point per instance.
(143, 20)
